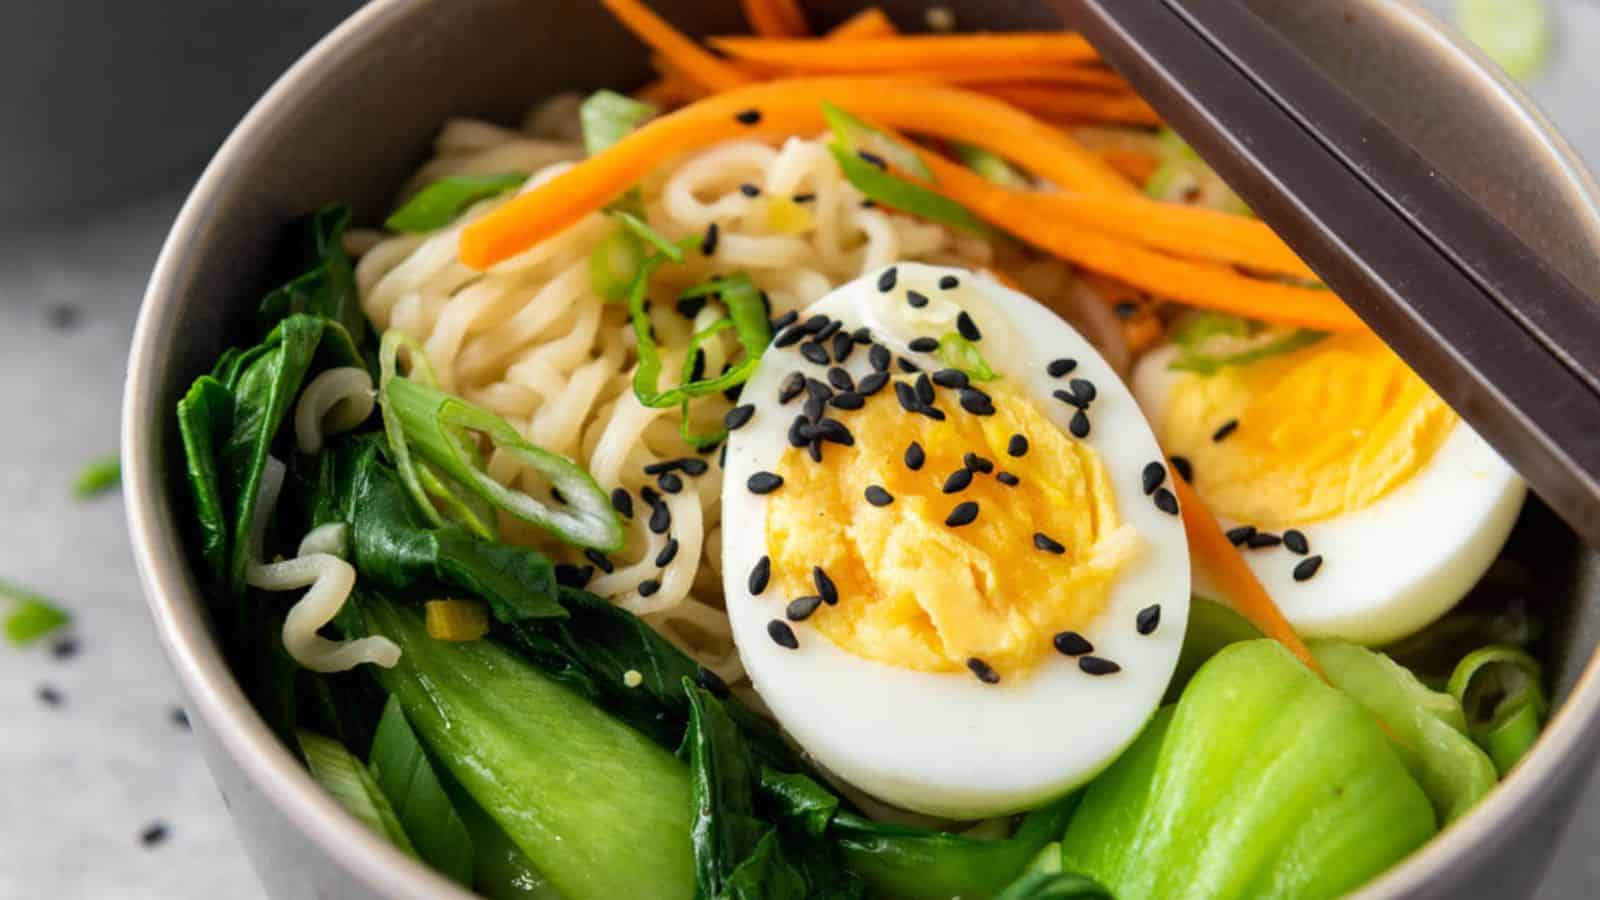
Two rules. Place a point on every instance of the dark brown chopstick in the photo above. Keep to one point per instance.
(1501, 335)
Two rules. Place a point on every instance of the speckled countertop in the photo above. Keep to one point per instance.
(102, 793)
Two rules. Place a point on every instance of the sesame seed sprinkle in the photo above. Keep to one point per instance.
(1295, 540)
(1079, 426)
(1166, 501)
(670, 483)
(803, 198)
(1071, 643)
(848, 400)
(708, 244)
(792, 385)
(983, 670)
(817, 389)
(841, 379)
(814, 353)
(873, 383)
(1008, 479)
(1069, 398)
(648, 587)
(914, 456)
(878, 495)
(1307, 567)
(622, 502)
(843, 346)
(1153, 474)
(965, 513)
(799, 431)
(1263, 539)
(917, 299)
(738, 417)
(1095, 665)
(907, 366)
(887, 280)
(1060, 367)
(759, 575)
(862, 335)
(749, 190)
(801, 608)
(924, 388)
(660, 518)
(1228, 427)
(764, 482)
(1048, 544)
(782, 634)
(1183, 467)
(748, 117)
(668, 553)
(873, 159)
(1083, 388)
(907, 397)
(879, 356)
(948, 282)
(825, 586)
(49, 695)
(1240, 534)
(976, 402)
(829, 329)
(154, 834)
(950, 378)
(689, 307)
(1017, 446)
(1148, 619)
(711, 681)
(957, 481)
(788, 337)
(600, 560)
(977, 463)
(968, 328)
(784, 321)
(923, 345)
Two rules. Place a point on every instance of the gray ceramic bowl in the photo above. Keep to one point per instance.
(357, 113)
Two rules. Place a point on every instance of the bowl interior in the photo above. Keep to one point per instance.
(357, 115)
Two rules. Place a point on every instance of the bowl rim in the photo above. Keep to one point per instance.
(217, 698)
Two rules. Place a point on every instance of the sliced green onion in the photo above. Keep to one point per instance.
(420, 369)
(992, 167)
(343, 776)
(956, 352)
(440, 429)
(438, 204)
(1054, 886)
(696, 341)
(897, 193)
(637, 225)
(608, 117)
(1501, 690)
(746, 313)
(856, 136)
(1183, 177)
(31, 616)
(97, 477)
(1209, 341)
(460, 505)
(1192, 330)
(613, 264)
(1514, 33)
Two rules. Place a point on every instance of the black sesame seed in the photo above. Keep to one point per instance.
(64, 648)
(932, 412)
(600, 560)
(873, 383)
(557, 496)
(1008, 479)
(799, 431)
(764, 482)
(1069, 398)
(1045, 542)
(708, 244)
(736, 418)
(792, 385)
(711, 681)
(1151, 476)
(622, 502)
(665, 465)
(1126, 309)
(782, 634)
(693, 467)
(923, 345)
(829, 330)
(759, 575)
(1228, 427)
(967, 327)
(64, 316)
(1307, 567)
(947, 282)
(825, 586)
(1148, 619)
(180, 718)
(748, 117)
(1183, 467)
(814, 450)
(573, 576)
(950, 378)
(153, 834)
(815, 324)
(983, 670)
(689, 307)
(868, 203)
(878, 496)
(648, 587)
(976, 402)
(843, 346)
(1262, 539)
(834, 431)
(957, 481)
(1083, 389)
(1295, 540)
(749, 190)
(977, 463)
(887, 279)
(649, 495)
(848, 400)
(801, 608)
(914, 456)
(1094, 665)
(907, 397)
(907, 366)
(1060, 367)
(815, 353)
(965, 513)
(49, 695)
(1017, 446)
(1079, 426)
(785, 320)
(788, 337)
(1071, 643)
(668, 553)
(1165, 501)
(917, 299)
(722, 456)
(879, 357)
(803, 198)
(841, 379)
(862, 335)
(660, 518)
(670, 483)
(1239, 535)
(818, 388)
(924, 388)
(873, 159)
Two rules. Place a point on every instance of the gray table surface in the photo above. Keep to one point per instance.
(81, 781)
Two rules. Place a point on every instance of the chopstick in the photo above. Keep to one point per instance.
(1495, 329)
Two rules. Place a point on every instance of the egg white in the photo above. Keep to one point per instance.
(1398, 564)
(946, 744)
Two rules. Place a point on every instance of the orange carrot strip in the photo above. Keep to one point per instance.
(775, 18)
(1242, 589)
(1091, 78)
(938, 51)
(702, 67)
(1194, 283)
(782, 108)
(1053, 103)
(869, 23)
(1137, 166)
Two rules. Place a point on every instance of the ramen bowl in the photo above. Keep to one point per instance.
(352, 118)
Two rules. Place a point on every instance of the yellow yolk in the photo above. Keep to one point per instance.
(1322, 431)
(919, 594)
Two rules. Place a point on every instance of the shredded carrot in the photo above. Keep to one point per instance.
(1242, 589)
(1137, 166)
(1092, 78)
(869, 23)
(937, 51)
(1031, 217)
(694, 61)
(775, 18)
(784, 108)
(1075, 106)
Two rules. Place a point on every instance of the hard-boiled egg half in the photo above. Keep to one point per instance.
(1361, 501)
(949, 571)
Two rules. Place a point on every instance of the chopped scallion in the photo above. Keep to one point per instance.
(854, 136)
(608, 117)
(907, 197)
(341, 774)
(438, 204)
(97, 477)
(31, 616)
(957, 352)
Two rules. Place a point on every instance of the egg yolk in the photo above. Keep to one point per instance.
(917, 593)
(1325, 430)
